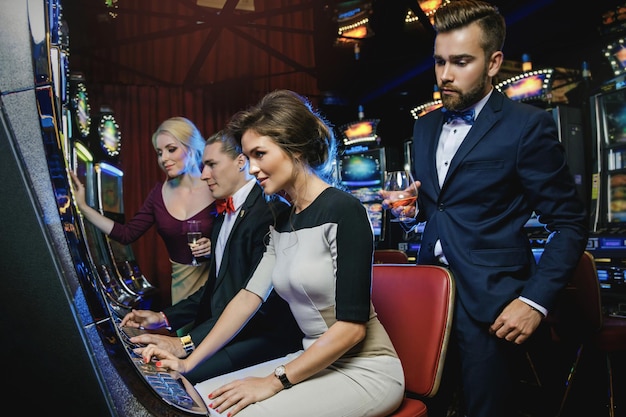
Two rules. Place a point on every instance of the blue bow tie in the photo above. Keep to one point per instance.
(467, 115)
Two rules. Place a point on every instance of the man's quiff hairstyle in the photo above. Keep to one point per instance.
(462, 13)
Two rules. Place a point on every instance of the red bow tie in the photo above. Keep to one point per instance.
(227, 206)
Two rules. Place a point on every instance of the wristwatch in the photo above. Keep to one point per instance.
(279, 373)
(188, 344)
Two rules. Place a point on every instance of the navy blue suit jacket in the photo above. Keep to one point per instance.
(509, 164)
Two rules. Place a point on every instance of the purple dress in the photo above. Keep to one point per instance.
(171, 230)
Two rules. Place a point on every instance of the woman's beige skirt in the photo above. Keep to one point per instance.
(187, 279)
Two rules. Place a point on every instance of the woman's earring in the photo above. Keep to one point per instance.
(241, 169)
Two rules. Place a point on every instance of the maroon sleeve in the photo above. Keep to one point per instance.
(139, 224)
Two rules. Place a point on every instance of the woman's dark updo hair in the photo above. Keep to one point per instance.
(289, 120)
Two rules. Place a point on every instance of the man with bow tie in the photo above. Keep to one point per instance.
(480, 175)
(244, 215)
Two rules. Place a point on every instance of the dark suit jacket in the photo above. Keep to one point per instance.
(510, 163)
(272, 332)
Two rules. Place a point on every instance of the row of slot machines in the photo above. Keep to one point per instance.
(65, 284)
(92, 150)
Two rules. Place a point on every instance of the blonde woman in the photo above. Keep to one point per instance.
(180, 197)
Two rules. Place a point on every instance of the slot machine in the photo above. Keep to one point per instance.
(64, 346)
(120, 298)
(607, 241)
(548, 88)
(361, 169)
(104, 141)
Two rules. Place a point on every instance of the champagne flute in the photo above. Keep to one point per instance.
(402, 195)
(193, 234)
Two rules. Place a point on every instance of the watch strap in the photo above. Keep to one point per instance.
(282, 377)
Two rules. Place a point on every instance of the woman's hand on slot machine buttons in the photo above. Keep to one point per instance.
(143, 319)
(170, 344)
(163, 359)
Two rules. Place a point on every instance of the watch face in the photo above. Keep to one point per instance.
(280, 374)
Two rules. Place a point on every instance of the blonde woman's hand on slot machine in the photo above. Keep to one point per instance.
(79, 190)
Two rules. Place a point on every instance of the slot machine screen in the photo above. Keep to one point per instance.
(614, 109)
(612, 128)
(362, 169)
(84, 170)
(83, 167)
(361, 172)
(617, 198)
(110, 188)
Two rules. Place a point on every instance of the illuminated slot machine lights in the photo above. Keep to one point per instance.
(531, 85)
(616, 54)
(110, 136)
(422, 109)
(353, 21)
(80, 103)
(359, 132)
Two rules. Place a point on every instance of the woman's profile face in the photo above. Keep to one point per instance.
(172, 156)
(269, 163)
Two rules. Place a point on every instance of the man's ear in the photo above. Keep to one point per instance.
(242, 161)
(495, 62)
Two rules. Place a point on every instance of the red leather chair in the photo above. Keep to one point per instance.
(578, 319)
(415, 303)
(390, 256)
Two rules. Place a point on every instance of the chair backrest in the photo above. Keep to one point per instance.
(390, 256)
(578, 310)
(415, 304)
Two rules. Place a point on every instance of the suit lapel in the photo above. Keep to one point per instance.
(432, 151)
(487, 118)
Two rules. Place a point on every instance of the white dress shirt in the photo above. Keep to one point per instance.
(229, 220)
